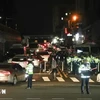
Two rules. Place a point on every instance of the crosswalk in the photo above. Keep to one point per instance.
(61, 79)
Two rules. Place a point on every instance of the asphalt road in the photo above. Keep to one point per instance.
(19, 92)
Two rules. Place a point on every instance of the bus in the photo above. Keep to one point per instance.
(87, 49)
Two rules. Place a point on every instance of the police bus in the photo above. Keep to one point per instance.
(87, 49)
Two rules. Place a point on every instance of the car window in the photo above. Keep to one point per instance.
(16, 50)
(17, 67)
(19, 59)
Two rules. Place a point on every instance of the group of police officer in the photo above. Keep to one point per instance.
(73, 63)
(83, 66)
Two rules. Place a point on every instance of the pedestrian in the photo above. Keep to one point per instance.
(54, 67)
(29, 71)
(84, 71)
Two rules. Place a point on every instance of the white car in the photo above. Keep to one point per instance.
(37, 60)
(20, 59)
(44, 54)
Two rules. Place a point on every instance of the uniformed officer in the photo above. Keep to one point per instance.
(84, 71)
(29, 71)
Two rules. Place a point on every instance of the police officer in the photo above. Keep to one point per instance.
(29, 71)
(84, 71)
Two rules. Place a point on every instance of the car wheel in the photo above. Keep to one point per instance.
(14, 80)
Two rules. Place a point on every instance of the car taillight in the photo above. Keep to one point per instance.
(6, 73)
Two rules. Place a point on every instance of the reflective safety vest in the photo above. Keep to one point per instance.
(84, 70)
(29, 68)
(96, 60)
(69, 60)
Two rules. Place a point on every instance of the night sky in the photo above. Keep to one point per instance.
(35, 17)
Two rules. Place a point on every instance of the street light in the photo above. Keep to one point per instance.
(0, 17)
(66, 14)
(74, 18)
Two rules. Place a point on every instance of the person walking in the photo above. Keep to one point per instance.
(54, 67)
(29, 71)
(84, 71)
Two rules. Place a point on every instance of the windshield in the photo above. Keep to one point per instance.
(84, 49)
(17, 50)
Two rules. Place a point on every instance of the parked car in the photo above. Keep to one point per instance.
(11, 73)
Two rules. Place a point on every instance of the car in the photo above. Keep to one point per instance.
(20, 59)
(37, 60)
(44, 54)
(12, 73)
(14, 51)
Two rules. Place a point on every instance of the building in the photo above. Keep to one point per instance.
(59, 11)
(89, 9)
(7, 13)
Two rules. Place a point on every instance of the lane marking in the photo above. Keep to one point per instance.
(57, 98)
(33, 98)
(90, 80)
(6, 98)
(33, 80)
(59, 73)
(84, 98)
(74, 79)
(60, 79)
(46, 79)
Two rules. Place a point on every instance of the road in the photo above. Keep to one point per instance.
(48, 93)
(45, 88)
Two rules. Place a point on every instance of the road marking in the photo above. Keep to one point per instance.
(33, 80)
(57, 98)
(60, 79)
(59, 73)
(6, 98)
(90, 80)
(84, 98)
(46, 79)
(33, 98)
(74, 79)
